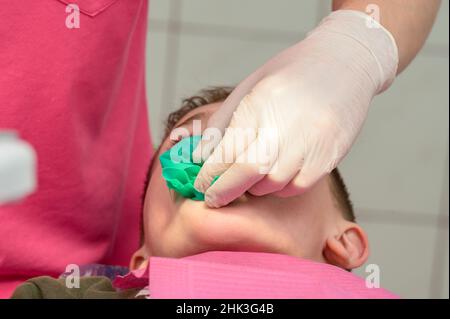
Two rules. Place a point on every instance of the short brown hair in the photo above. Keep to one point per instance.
(218, 94)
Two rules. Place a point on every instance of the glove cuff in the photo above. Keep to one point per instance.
(372, 35)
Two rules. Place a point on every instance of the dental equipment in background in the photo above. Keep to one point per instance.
(17, 168)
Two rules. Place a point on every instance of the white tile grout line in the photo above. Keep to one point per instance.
(441, 244)
(259, 34)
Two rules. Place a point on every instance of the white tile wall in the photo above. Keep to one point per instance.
(156, 60)
(439, 283)
(206, 61)
(445, 278)
(285, 15)
(404, 256)
(439, 33)
(159, 9)
(395, 171)
(398, 160)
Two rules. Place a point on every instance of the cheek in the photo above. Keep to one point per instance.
(158, 208)
(313, 226)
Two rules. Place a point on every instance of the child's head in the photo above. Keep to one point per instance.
(317, 225)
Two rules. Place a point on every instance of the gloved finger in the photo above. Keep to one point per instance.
(319, 159)
(218, 121)
(239, 177)
(238, 136)
(309, 174)
(286, 167)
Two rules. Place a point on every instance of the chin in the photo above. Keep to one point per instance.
(196, 228)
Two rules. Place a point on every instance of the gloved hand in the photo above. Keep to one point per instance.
(313, 97)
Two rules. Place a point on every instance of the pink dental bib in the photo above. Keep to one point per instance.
(245, 275)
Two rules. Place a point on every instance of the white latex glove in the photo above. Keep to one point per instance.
(315, 95)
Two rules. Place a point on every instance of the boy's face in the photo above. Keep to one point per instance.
(309, 226)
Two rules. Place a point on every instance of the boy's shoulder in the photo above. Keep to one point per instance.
(91, 287)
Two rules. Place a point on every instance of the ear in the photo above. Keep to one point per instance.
(139, 259)
(349, 248)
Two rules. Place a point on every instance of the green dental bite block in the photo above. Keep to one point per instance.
(180, 171)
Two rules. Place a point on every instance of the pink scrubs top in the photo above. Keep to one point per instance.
(78, 97)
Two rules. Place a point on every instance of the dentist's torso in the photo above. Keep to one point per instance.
(76, 93)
